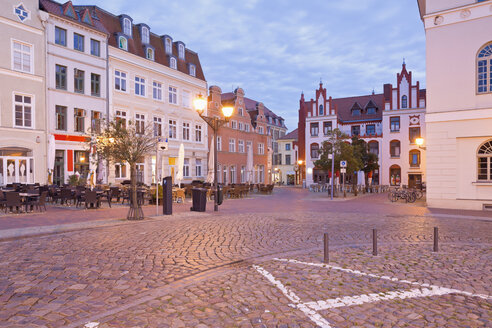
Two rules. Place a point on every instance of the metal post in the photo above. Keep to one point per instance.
(326, 257)
(332, 169)
(344, 193)
(436, 239)
(374, 242)
(216, 197)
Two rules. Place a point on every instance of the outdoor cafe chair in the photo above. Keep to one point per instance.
(3, 201)
(40, 201)
(91, 198)
(13, 199)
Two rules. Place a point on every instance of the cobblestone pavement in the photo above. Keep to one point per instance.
(201, 269)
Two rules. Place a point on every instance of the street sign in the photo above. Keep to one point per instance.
(162, 143)
(343, 163)
(343, 170)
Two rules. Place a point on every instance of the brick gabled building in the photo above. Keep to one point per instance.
(247, 128)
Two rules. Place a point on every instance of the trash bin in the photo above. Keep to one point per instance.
(199, 199)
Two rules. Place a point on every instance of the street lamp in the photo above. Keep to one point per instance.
(200, 103)
(299, 162)
(420, 142)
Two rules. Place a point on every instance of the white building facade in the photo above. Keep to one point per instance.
(389, 122)
(459, 109)
(23, 142)
(76, 84)
(285, 169)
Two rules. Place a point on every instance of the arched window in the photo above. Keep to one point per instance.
(127, 27)
(373, 147)
(150, 53)
(314, 150)
(395, 148)
(484, 69)
(395, 175)
(173, 63)
(414, 158)
(485, 162)
(321, 110)
(145, 35)
(123, 43)
(181, 51)
(404, 102)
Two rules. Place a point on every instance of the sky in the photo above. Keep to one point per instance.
(276, 49)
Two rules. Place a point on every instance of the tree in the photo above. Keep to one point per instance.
(119, 143)
(361, 150)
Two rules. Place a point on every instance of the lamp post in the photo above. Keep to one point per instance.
(200, 103)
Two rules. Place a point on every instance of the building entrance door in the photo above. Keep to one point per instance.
(415, 181)
(59, 173)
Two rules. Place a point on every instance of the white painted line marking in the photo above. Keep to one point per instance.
(91, 325)
(360, 273)
(311, 314)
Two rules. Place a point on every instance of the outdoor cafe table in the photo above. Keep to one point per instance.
(25, 196)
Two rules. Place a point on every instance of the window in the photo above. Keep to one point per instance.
(240, 126)
(120, 171)
(173, 95)
(219, 143)
(79, 120)
(145, 35)
(95, 121)
(287, 146)
(172, 129)
(314, 150)
(186, 167)
(122, 43)
(61, 77)
(240, 146)
(186, 131)
(140, 123)
(395, 175)
(233, 174)
(404, 102)
(261, 149)
(234, 124)
(395, 123)
(169, 46)
(321, 110)
(314, 129)
(61, 118)
(370, 129)
(156, 90)
(121, 118)
(327, 128)
(246, 127)
(414, 133)
(95, 48)
(78, 81)
(140, 86)
(21, 57)
(81, 163)
(198, 167)
(224, 174)
(261, 130)
(192, 70)
(60, 36)
(157, 126)
(23, 111)
(173, 63)
(261, 173)
(198, 133)
(243, 174)
(120, 80)
(414, 158)
(127, 26)
(484, 69)
(186, 99)
(485, 162)
(181, 51)
(355, 129)
(371, 110)
(373, 147)
(149, 53)
(95, 85)
(240, 111)
(78, 42)
(140, 171)
(356, 112)
(395, 148)
(232, 145)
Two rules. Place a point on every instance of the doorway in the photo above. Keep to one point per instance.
(415, 181)
(59, 173)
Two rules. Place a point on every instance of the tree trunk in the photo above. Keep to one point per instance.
(135, 212)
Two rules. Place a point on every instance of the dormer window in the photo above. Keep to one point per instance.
(145, 35)
(169, 45)
(356, 112)
(181, 51)
(173, 63)
(371, 110)
(192, 70)
(127, 26)
(149, 53)
(123, 43)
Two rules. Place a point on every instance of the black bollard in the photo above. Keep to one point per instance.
(326, 257)
(374, 242)
(436, 239)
